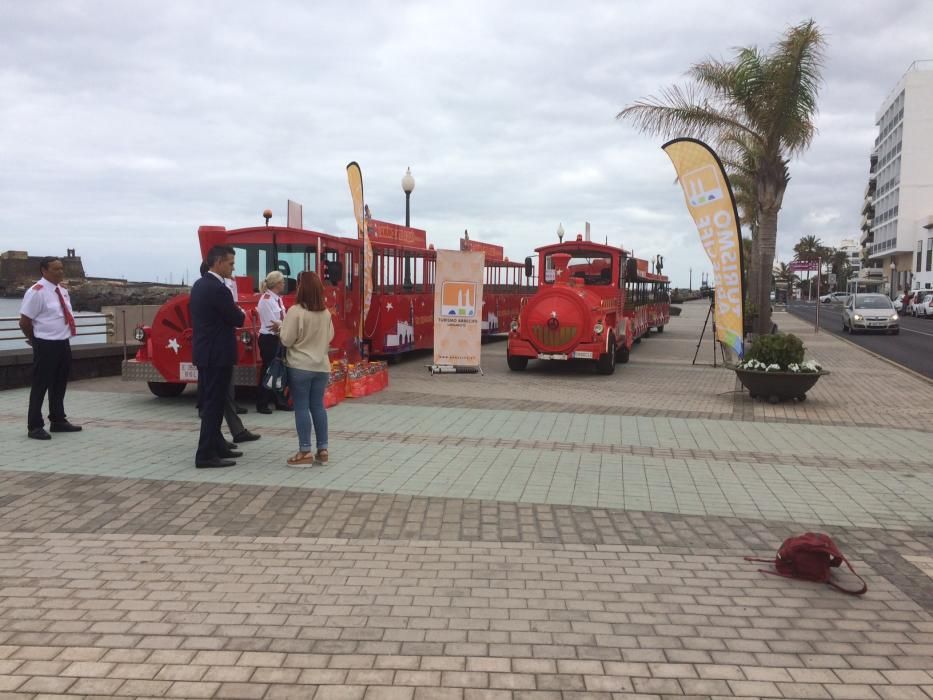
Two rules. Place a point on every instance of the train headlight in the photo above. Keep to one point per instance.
(246, 337)
(598, 328)
(514, 326)
(139, 334)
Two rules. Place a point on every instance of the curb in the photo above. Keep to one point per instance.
(891, 362)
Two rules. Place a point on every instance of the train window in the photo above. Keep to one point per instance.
(330, 266)
(407, 284)
(591, 268)
(417, 273)
(348, 270)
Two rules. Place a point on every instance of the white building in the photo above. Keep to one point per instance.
(853, 253)
(897, 228)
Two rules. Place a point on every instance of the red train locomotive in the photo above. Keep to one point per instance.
(400, 317)
(593, 302)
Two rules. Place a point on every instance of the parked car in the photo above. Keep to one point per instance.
(839, 297)
(870, 312)
(925, 308)
(898, 302)
(916, 300)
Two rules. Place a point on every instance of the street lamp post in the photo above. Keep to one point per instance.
(560, 233)
(893, 272)
(408, 186)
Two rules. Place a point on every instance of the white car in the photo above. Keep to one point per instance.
(925, 308)
(864, 313)
(916, 302)
(838, 297)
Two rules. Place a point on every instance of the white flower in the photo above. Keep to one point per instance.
(774, 367)
(793, 367)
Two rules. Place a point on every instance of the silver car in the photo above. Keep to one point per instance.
(870, 312)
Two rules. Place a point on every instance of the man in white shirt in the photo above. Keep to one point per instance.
(47, 321)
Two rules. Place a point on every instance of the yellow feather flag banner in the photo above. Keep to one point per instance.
(355, 178)
(712, 205)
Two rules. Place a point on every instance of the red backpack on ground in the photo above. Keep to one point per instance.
(810, 557)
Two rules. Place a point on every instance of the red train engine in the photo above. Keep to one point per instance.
(593, 302)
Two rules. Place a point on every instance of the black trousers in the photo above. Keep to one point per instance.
(214, 382)
(51, 364)
(268, 347)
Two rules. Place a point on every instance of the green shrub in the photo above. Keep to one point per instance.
(782, 349)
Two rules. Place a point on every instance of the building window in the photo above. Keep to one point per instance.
(929, 254)
(919, 253)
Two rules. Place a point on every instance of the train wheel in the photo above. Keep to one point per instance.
(606, 364)
(622, 355)
(166, 390)
(516, 364)
(660, 329)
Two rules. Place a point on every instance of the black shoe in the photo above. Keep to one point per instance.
(39, 434)
(245, 436)
(214, 463)
(64, 427)
(230, 454)
(263, 409)
(284, 407)
(231, 445)
(241, 410)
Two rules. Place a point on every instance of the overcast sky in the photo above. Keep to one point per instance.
(125, 125)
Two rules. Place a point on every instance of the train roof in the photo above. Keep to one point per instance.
(576, 245)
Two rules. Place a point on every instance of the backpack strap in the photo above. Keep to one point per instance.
(861, 591)
(763, 561)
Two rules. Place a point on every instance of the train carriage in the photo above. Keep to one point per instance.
(593, 302)
(400, 317)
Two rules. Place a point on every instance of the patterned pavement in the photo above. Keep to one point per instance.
(542, 535)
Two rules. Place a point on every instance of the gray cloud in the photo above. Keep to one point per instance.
(127, 125)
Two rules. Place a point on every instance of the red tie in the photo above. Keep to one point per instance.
(69, 319)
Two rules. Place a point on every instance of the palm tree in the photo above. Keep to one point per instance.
(784, 275)
(839, 264)
(809, 249)
(767, 101)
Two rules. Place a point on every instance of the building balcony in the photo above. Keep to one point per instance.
(874, 164)
(868, 237)
(868, 208)
(871, 188)
(866, 223)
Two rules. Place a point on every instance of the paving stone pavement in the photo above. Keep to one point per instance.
(550, 534)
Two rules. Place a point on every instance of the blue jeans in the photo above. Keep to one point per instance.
(307, 392)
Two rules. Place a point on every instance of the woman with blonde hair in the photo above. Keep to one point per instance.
(306, 332)
(271, 314)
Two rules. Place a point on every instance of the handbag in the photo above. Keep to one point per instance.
(810, 557)
(276, 377)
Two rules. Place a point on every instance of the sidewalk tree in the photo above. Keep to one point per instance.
(810, 249)
(767, 99)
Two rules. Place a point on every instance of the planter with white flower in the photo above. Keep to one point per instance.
(774, 369)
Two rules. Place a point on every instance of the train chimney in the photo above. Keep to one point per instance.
(560, 260)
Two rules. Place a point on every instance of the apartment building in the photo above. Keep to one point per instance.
(897, 211)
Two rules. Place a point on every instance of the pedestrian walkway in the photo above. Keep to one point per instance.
(537, 535)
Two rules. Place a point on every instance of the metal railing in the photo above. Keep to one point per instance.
(89, 324)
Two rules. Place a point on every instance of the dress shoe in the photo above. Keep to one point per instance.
(245, 436)
(39, 434)
(64, 427)
(241, 410)
(284, 407)
(214, 463)
(230, 454)
(263, 409)
(231, 445)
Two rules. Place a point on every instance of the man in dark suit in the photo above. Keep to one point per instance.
(214, 319)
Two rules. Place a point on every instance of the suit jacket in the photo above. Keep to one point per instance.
(214, 320)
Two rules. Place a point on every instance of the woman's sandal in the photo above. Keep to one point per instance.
(321, 456)
(300, 458)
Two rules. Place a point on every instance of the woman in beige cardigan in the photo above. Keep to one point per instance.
(306, 332)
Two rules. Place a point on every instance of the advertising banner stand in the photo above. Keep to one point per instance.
(458, 312)
(711, 203)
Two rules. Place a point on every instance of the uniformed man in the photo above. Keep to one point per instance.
(48, 323)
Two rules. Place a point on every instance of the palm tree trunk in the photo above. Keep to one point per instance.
(754, 272)
(767, 241)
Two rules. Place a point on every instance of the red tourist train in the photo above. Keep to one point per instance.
(593, 302)
(400, 317)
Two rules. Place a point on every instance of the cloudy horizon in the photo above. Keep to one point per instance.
(128, 125)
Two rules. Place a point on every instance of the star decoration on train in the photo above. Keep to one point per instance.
(173, 344)
(388, 306)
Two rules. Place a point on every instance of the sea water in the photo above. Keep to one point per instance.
(11, 338)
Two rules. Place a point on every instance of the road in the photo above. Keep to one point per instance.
(913, 348)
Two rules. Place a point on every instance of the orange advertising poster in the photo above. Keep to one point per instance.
(458, 308)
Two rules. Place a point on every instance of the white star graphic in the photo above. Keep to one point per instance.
(388, 306)
(173, 344)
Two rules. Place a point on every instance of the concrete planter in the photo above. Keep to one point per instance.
(775, 387)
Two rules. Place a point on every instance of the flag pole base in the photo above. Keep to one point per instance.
(454, 369)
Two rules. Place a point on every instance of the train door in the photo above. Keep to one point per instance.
(340, 294)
